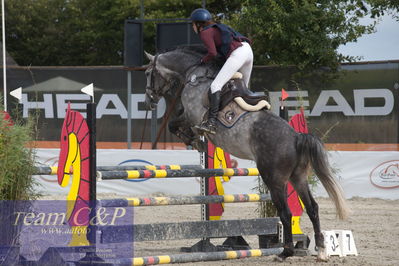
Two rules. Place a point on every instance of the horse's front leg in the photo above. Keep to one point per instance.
(176, 127)
(179, 128)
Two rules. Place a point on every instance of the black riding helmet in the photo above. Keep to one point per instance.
(201, 15)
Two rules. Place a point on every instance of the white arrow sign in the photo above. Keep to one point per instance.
(89, 90)
(17, 94)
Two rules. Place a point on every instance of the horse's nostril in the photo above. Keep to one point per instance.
(150, 96)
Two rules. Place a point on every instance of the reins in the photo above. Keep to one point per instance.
(172, 106)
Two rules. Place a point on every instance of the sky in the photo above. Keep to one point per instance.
(381, 45)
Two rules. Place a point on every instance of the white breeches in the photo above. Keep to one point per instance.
(241, 59)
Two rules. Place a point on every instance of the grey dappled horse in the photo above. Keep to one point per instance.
(280, 153)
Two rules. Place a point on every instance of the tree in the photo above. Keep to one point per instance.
(380, 7)
(86, 32)
(67, 32)
(180, 9)
(304, 33)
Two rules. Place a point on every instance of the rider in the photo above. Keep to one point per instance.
(235, 50)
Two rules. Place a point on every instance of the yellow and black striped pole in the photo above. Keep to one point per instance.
(135, 174)
(199, 256)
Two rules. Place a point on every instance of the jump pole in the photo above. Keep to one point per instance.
(52, 170)
(136, 174)
(192, 257)
(198, 257)
(183, 200)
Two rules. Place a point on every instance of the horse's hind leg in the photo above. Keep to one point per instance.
(278, 190)
(300, 183)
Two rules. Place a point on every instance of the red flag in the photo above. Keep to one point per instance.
(298, 122)
(284, 95)
(7, 117)
(293, 202)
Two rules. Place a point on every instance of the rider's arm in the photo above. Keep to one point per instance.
(210, 39)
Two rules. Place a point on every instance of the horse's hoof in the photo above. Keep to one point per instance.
(278, 258)
(321, 259)
(287, 252)
(322, 255)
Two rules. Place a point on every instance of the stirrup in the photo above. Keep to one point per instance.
(206, 127)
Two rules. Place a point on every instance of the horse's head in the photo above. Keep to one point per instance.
(162, 79)
(166, 72)
(156, 82)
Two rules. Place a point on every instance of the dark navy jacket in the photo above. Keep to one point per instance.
(228, 35)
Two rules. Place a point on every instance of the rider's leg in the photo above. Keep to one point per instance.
(246, 68)
(209, 125)
(235, 62)
(231, 66)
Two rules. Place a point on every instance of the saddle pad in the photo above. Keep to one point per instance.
(230, 114)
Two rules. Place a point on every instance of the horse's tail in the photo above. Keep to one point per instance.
(311, 149)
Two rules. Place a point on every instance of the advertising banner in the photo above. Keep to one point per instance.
(353, 107)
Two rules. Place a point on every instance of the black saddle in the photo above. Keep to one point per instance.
(236, 88)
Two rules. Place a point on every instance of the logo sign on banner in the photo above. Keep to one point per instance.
(55, 107)
(386, 175)
(322, 104)
(41, 225)
(108, 104)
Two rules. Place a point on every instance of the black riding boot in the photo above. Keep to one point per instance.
(209, 126)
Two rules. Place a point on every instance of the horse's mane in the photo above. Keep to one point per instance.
(195, 50)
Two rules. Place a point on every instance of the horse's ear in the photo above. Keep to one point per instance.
(149, 56)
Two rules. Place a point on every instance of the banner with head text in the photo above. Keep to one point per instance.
(352, 106)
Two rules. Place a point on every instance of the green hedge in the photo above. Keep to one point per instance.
(16, 159)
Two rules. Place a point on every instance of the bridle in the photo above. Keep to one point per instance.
(151, 100)
(151, 88)
(174, 101)
(154, 69)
